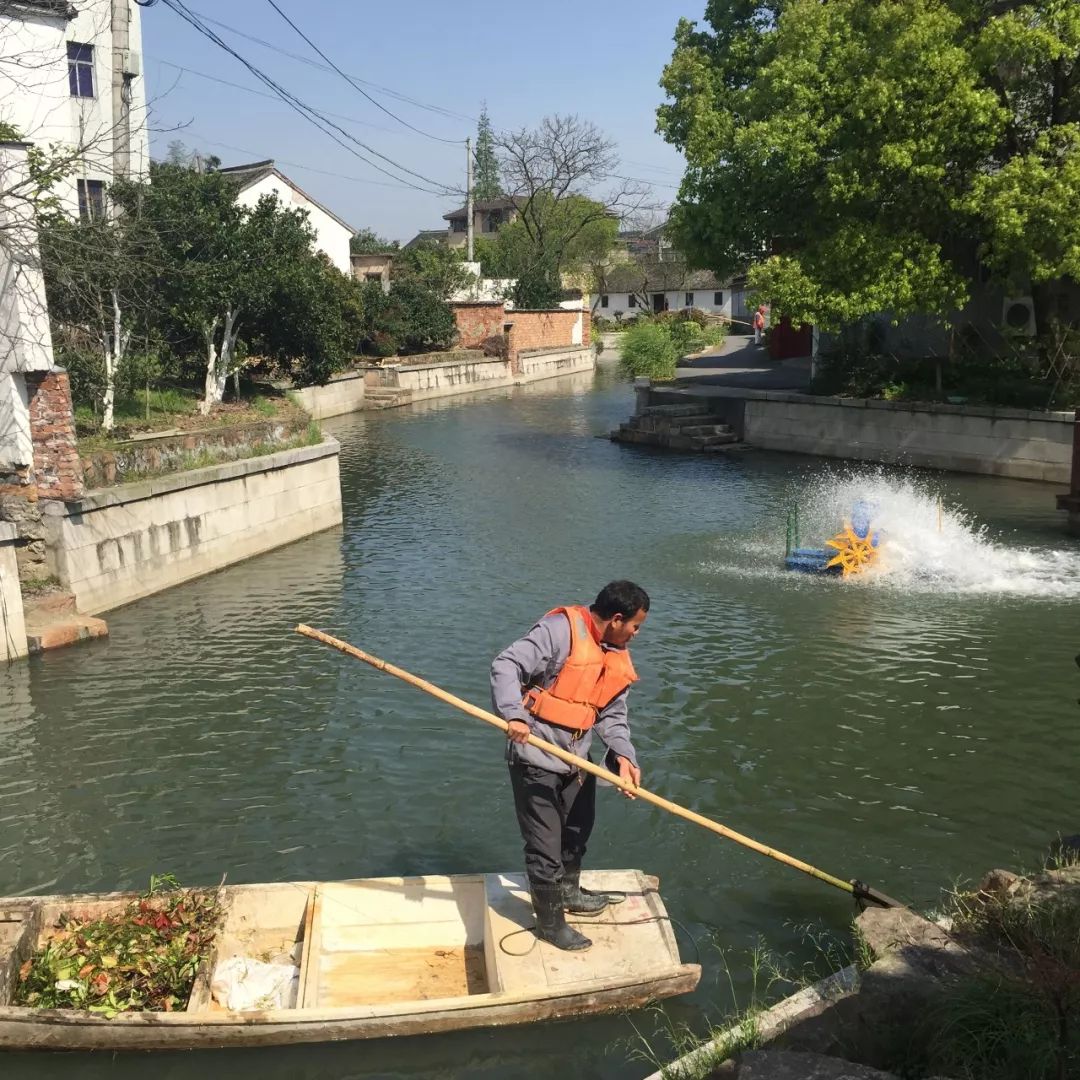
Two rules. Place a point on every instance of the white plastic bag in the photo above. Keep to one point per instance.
(242, 984)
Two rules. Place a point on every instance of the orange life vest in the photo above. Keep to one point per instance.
(591, 678)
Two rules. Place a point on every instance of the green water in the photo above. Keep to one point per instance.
(908, 731)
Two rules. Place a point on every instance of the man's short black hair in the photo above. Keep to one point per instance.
(620, 598)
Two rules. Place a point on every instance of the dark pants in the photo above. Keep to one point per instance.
(555, 813)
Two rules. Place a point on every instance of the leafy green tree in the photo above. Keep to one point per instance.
(567, 218)
(409, 318)
(314, 321)
(433, 266)
(487, 183)
(864, 156)
(99, 279)
(368, 242)
(221, 262)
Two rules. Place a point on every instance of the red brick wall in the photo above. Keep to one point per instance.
(586, 328)
(57, 469)
(478, 322)
(539, 330)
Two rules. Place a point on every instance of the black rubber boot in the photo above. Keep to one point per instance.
(579, 901)
(550, 920)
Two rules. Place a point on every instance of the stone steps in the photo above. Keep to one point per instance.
(386, 398)
(678, 427)
(53, 623)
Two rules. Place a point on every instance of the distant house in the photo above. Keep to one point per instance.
(424, 237)
(648, 284)
(489, 216)
(332, 234)
(374, 267)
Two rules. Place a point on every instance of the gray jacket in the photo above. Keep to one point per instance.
(536, 660)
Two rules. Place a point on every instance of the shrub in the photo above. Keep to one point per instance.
(648, 351)
(686, 336)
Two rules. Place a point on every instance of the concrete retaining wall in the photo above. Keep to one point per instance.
(1019, 443)
(120, 544)
(546, 363)
(342, 395)
(12, 626)
(449, 377)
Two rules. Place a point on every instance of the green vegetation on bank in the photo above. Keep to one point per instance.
(652, 345)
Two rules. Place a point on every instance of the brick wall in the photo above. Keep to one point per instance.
(476, 322)
(539, 330)
(586, 327)
(57, 470)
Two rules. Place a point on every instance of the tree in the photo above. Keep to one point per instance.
(561, 180)
(865, 156)
(487, 184)
(222, 262)
(434, 267)
(368, 242)
(99, 278)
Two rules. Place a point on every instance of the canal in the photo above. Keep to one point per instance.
(910, 729)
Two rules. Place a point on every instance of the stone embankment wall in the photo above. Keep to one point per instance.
(343, 394)
(12, 624)
(546, 363)
(120, 544)
(136, 458)
(1018, 443)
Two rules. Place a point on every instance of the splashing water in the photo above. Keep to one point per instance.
(927, 544)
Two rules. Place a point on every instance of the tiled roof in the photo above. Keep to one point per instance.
(248, 175)
(425, 236)
(501, 203)
(654, 276)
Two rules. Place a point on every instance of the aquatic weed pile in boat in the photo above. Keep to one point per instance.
(142, 958)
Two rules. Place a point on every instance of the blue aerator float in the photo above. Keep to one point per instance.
(850, 551)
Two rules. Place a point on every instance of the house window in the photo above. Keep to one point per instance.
(459, 225)
(604, 300)
(80, 69)
(631, 300)
(493, 220)
(689, 299)
(91, 199)
(373, 277)
(718, 299)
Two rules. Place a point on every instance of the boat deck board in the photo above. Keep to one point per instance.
(628, 939)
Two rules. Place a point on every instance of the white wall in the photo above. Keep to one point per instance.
(121, 544)
(35, 96)
(25, 337)
(331, 237)
(619, 303)
(12, 624)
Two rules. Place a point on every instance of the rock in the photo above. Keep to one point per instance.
(795, 1065)
(1000, 883)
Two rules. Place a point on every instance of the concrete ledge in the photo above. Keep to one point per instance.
(119, 545)
(212, 474)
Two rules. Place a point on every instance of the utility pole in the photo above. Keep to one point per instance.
(468, 197)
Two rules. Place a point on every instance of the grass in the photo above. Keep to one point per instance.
(175, 408)
(204, 458)
(1018, 1018)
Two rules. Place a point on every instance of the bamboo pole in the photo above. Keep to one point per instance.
(856, 888)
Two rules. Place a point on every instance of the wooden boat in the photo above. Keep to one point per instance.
(376, 957)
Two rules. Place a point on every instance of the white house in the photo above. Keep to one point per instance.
(71, 76)
(332, 235)
(641, 284)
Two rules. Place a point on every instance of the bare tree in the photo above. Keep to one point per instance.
(562, 178)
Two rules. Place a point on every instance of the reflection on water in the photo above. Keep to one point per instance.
(906, 735)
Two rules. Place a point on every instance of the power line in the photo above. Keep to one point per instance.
(356, 86)
(308, 112)
(270, 97)
(296, 164)
(323, 67)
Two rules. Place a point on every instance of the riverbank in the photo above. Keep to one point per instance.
(985, 988)
(1017, 443)
(391, 385)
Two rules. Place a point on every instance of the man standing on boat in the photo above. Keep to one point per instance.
(564, 680)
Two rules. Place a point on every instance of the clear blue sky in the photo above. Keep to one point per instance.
(599, 60)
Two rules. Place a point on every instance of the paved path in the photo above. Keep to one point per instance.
(739, 362)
